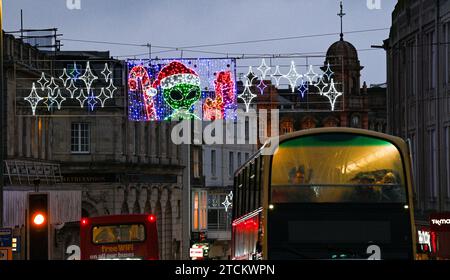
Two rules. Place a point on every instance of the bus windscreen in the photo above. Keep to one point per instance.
(337, 168)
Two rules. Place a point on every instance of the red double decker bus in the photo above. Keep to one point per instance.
(119, 237)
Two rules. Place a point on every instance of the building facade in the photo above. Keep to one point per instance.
(418, 59)
(114, 165)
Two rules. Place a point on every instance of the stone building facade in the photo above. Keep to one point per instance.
(418, 58)
(117, 166)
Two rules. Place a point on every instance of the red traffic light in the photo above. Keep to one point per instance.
(38, 219)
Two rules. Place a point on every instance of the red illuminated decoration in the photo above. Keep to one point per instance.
(139, 81)
(224, 89)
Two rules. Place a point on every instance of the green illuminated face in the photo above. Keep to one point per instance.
(182, 96)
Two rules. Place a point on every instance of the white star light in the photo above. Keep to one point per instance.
(103, 97)
(247, 96)
(106, 72)
(311, 75)
(88, 77)
(328, 73)
(33, 99)
(250, 75)
(59, 99)
(321, 85)
(332, 94)
(65, 77)
(277, 75)
(292, 76)
(226, 203)
(81, 98)
(263, 68)
(111, 88)
(72, 88)
(52, 87)
(42, 81)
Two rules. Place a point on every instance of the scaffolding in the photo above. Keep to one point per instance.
(26, 172)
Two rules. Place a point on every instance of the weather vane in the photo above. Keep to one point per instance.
(341, 15)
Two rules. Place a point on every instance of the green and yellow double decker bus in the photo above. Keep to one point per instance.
(327, 193)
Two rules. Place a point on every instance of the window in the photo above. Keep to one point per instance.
(213, 162)
(231, 164)
(431, 42)
(432, 164)
(80, 138)
(218, 218)
(196, 163)
(239, 159)
(286, 127)
(246, 156)
(199, 208)
(447, 55)
(118, 234)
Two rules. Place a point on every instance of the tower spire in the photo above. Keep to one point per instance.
(341, 15)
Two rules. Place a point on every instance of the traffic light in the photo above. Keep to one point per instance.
(38, 226)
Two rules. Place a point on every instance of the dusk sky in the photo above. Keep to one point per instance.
(180, 23)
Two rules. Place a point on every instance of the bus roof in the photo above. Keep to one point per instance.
(395, 140)
(126, 218)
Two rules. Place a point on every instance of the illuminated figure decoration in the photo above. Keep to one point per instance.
(140, 95)
(180, 88)
(225, 98)
(292, 76)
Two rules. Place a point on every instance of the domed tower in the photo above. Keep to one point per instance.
(343, 60)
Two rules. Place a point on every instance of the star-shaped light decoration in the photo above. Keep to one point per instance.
(59, 99)
(49, 100)
(33, 99)
(103, 97)
(88, 77)
(111, 88)
(247, 95)
(92, 101)
(328, 72)
(261, 86)
(227, 202)
(250, 76)
(292, 76)
(311, 75)
(332, 94)
(277, 75)
(65, 77)
(263, 68)
(303, 88)
(106, 72)
(74, 73)
(321, 85)
(72, 88)
(81, 98)
(52, 87)
(42, 81)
